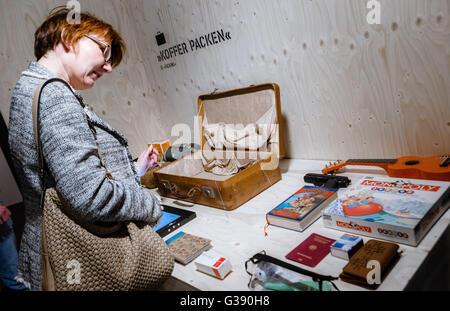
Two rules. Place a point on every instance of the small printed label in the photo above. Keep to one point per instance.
(219, 262)
(353, 226)
(392, 233)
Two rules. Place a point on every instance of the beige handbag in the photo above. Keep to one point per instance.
(77, 255)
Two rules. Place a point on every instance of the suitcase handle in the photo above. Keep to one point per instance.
(194, 191)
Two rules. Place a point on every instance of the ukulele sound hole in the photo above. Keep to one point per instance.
(414, 162)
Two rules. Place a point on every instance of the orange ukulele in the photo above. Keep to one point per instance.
(435, 168)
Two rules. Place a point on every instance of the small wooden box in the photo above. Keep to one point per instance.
(186, 179)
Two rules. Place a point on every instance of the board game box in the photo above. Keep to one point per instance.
(394, 209)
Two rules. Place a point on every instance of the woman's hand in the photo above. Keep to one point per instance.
(4, 214)
(147, 159)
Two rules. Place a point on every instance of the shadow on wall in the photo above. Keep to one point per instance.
(284, 137)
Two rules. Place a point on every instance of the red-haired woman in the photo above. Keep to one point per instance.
(80, 54)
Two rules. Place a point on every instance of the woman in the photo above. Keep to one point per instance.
(79, 54)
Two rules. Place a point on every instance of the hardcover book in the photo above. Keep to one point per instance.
(302, 208)
(186, 247)
(311, 251)
(394, 209)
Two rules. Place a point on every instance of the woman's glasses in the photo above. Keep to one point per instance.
(106, 51)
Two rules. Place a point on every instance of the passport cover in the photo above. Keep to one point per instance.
(312, 250)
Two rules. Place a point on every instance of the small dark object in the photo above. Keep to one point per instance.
(241, 169)
(411, 162)
(176, 152)
(328, 181)
(160, 39)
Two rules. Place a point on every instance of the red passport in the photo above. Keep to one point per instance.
(312, 250)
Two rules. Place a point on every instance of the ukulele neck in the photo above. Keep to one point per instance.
(383, 163)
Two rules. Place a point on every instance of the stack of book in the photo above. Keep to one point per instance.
(186, 247)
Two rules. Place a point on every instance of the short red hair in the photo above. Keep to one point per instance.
(48, 35)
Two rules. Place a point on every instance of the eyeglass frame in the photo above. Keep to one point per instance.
(107, 53)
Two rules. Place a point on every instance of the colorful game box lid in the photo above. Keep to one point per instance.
(395, 209)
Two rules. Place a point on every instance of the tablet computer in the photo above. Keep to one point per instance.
(171, 219)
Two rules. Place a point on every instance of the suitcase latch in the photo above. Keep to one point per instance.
(209, 192)
(165, 184)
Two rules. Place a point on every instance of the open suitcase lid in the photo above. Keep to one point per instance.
(253, 109)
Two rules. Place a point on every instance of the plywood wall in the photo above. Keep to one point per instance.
(348, 89)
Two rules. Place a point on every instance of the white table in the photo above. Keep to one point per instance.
(239, 234)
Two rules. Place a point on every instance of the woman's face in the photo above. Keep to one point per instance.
(87, 64)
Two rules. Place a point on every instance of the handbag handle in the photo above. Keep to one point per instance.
(172, 188)
(37, 136)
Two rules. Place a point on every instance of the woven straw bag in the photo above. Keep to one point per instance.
(77, 255)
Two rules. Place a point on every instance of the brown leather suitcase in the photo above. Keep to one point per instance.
(186, 178)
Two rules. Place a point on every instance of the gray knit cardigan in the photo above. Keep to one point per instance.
(70, 154)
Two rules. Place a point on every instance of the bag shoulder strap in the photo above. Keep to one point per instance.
(37, 142)
(97, 227)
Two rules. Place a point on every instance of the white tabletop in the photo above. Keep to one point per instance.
(239, 234)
